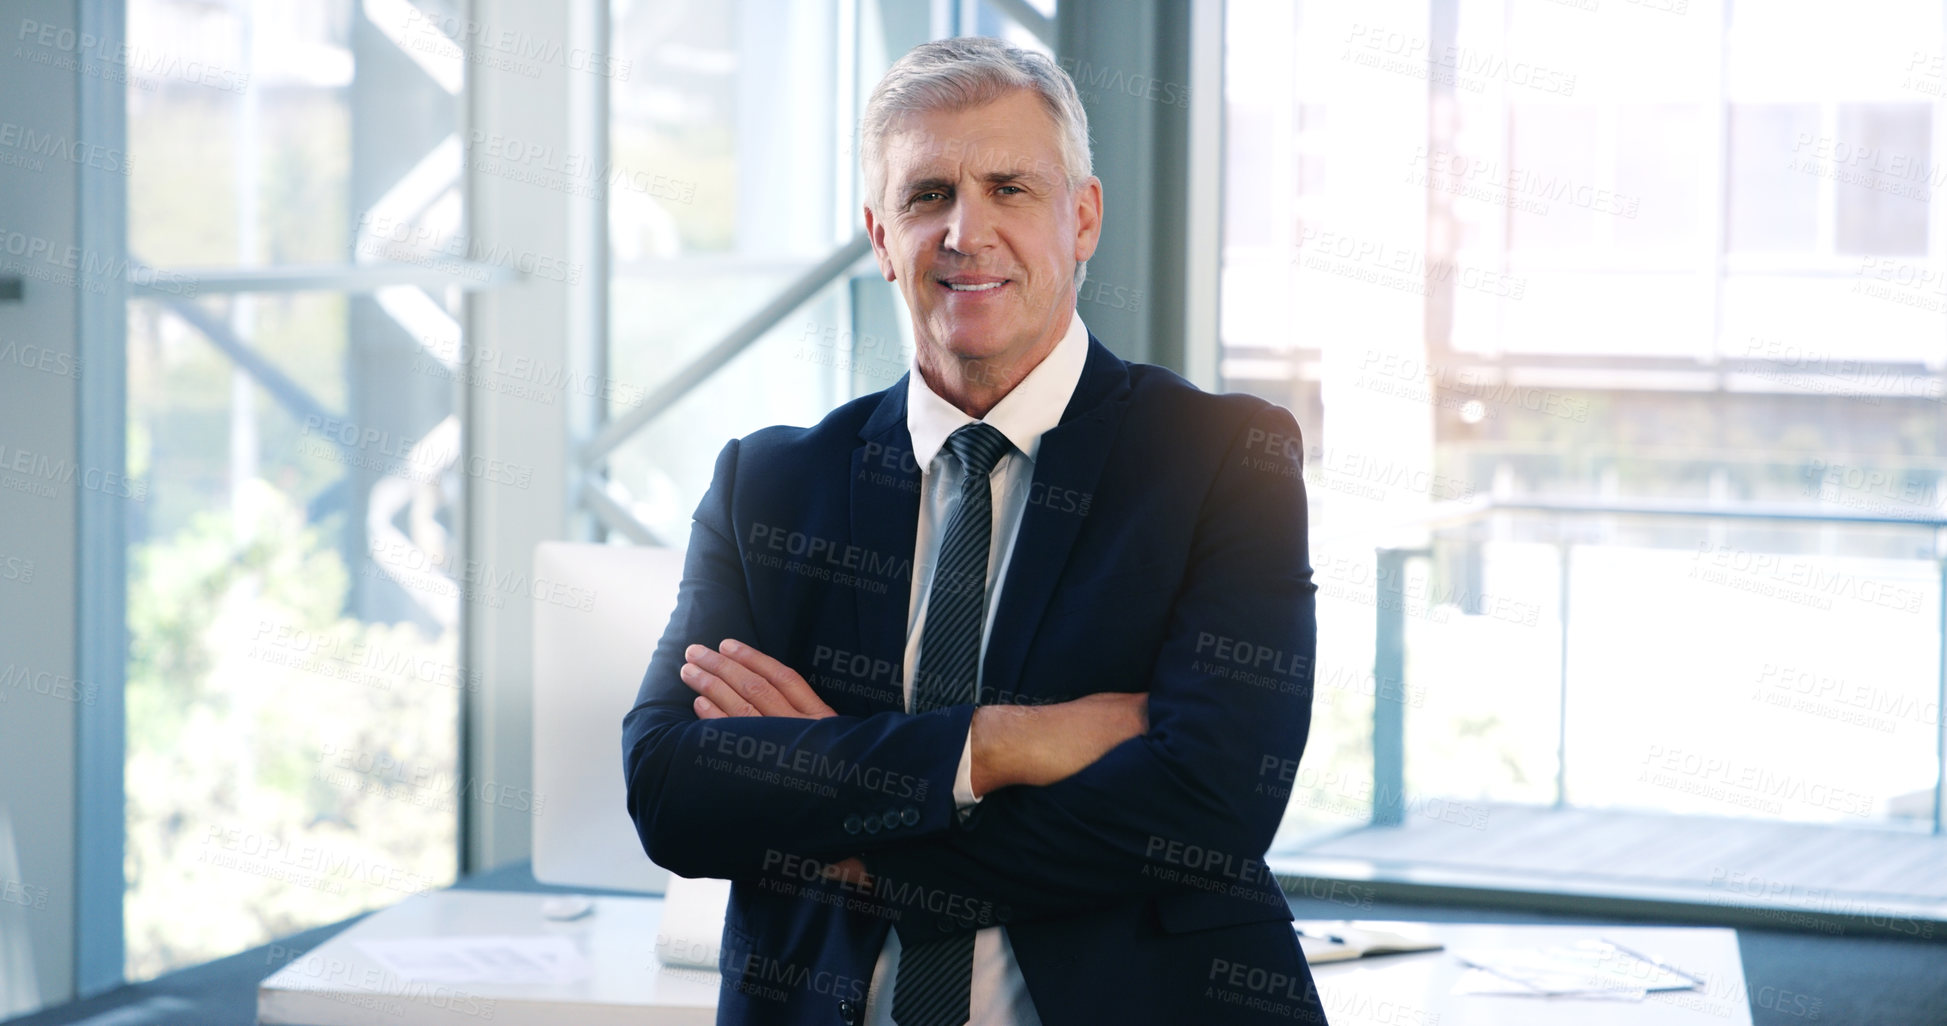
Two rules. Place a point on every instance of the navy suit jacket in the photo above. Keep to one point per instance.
(1163, 549)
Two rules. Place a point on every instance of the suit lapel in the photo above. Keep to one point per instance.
(885, 492)
(885, 523)
(1068, 465)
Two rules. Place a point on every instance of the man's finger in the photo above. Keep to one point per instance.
(751, 688)
(787, 681)
(707, 710)
(712, 687)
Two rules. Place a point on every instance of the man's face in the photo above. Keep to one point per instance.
(980, 228)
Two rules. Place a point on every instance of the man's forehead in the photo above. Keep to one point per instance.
(921, 152)
(996, 137)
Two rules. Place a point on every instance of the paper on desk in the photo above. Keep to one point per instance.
(1480, 981)
(1587, 969)
(522, 960)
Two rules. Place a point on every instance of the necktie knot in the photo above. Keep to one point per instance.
(978, 447)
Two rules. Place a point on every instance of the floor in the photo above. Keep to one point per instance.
(1708, 860)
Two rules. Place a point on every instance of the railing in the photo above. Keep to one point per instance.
(1389, 645)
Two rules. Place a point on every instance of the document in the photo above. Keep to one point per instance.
(1593, 969)
(516, 960)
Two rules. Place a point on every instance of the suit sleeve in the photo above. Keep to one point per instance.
(728, 798)
(1186, 801)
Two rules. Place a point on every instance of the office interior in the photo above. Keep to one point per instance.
(352, 350)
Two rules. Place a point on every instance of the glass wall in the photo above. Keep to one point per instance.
(732, 105)
(293, 593)
(1612, 256)
(737, 119)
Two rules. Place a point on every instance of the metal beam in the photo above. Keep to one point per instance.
(1131, 62)
(187, 282)
(711, 360)
(101, 533)
(1023, 14)
(1389, 664)
(287, 392)
(1940, 703)
(1449, 513)
(616, 517)
(1203, 214)
(1563, 551)
(548, 322)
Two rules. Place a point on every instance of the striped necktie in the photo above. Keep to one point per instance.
(934, 982)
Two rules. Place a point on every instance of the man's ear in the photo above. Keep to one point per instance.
(1088, 217)
(875, 230)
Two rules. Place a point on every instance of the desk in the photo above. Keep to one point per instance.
(336, 984)
(1417, 989)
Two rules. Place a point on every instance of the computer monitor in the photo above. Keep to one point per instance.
(598, 614)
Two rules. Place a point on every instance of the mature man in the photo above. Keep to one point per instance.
(1011, 656)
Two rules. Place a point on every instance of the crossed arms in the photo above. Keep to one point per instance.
(1024, 745)
(1083, 802)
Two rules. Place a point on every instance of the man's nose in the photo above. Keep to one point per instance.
(970, 225)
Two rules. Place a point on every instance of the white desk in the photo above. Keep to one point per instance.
(336, 984)
(1417, 989)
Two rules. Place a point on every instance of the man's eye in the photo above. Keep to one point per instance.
(1012, 188)
(928, 196)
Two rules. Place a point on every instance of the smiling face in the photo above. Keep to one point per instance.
(980, 228)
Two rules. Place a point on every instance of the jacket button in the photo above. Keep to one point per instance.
(871, 824)
(853, 824)
(848, 1012)
(910, 816)
(891, 818)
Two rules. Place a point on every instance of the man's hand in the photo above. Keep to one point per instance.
(850, 873)
(1039, 745)
(735, 679)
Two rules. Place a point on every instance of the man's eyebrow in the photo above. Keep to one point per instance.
(1028, 177)
(926, 184)
(1012, 177)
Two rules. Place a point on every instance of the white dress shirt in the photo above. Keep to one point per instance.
(1000, 995)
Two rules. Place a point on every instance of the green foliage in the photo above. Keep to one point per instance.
(288, 765)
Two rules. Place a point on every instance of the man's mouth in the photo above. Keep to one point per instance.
(973, 284)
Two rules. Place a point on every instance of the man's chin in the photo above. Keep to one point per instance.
(974, 342)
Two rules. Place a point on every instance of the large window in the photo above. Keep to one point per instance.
(734, 110)
(735, 176)
(296, 227)
(1615, 325)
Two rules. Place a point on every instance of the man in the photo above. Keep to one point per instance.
(1006, 654)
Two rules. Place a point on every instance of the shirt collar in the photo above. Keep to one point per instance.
(1023, 415)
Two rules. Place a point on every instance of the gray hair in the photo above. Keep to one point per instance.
(969, 71)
